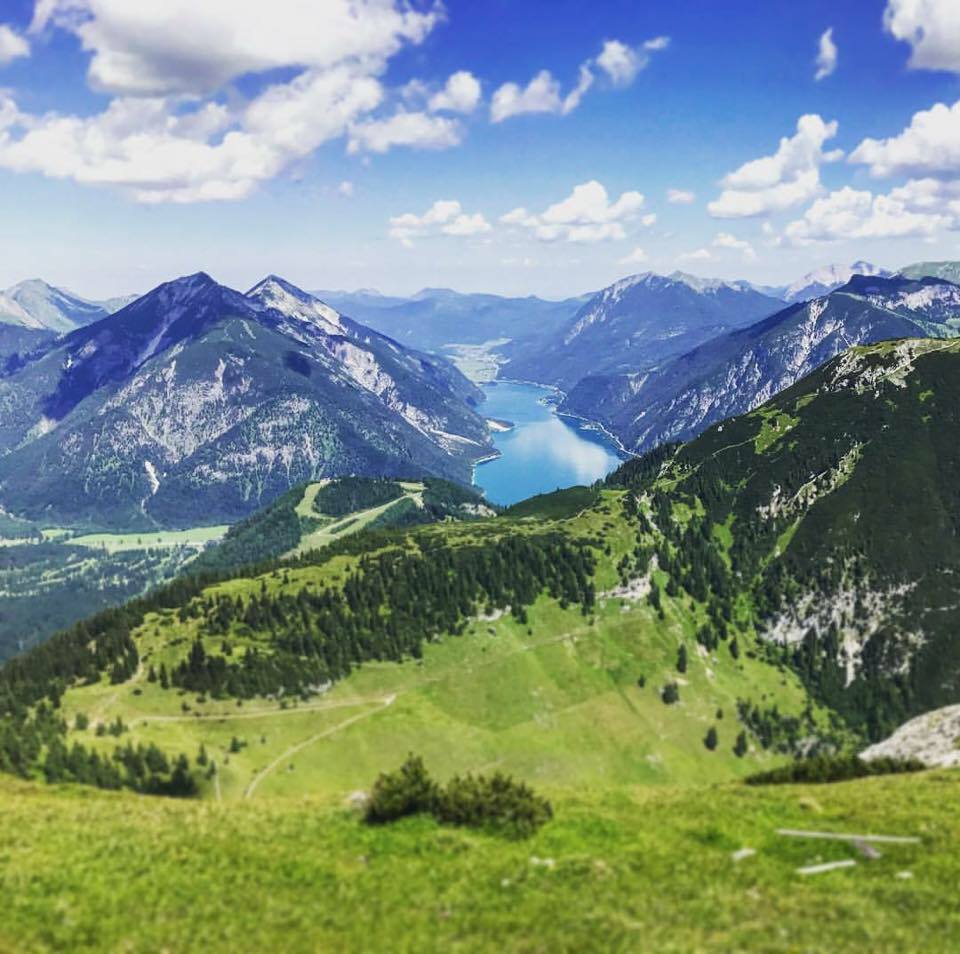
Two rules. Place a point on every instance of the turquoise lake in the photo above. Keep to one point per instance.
(543, 451)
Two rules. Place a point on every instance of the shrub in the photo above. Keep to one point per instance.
(496, 803)
(833, 768)
(670, 693)
(408, 791)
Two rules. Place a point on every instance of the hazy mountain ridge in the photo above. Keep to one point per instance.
(197, 399)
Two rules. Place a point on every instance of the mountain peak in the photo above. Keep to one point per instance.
(277, 294)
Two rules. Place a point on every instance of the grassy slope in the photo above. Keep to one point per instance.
(632, 869)
(558, 704)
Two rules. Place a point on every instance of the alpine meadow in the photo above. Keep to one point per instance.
(557, 551)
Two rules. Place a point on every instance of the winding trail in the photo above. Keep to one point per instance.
(263, 773)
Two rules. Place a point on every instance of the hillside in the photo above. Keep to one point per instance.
(738, 371)
(196, 404)
(836, 505)
(52, 577)
(635, 324)
(38, 306)
(628, 869)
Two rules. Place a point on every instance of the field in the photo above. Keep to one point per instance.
(197, 537)
(632, 869)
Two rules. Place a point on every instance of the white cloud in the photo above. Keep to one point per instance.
(12, 45)
(586, 215)
(637, 257)
(345, 189)
(540, 95)
(931, 27)
(827, 55)
(930, 145)
(461, 94)
(417, 130)
(649, 219)
(787, 178)
(680, 196)
(726, 240)
(698, 255)
(162, 141)
(618, 62)
(444, 217)
(622, 63)
(851, 214)
(185, 46)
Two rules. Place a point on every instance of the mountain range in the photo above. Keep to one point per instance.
(740, 370)
(195, 403)
(635, 324)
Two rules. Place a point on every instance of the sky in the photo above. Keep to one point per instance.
(521, 147)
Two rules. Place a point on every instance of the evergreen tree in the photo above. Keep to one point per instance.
(682, 658)
(710, 740)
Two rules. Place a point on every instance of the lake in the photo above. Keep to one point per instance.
(543, 451)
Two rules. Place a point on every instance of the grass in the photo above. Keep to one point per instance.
(634, 868)
(164, 539)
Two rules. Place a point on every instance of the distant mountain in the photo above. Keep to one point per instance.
(738, 371)
(825, 280)
(949, 271)
(35, 304)
(436, 317)
(197, 404)
(635, 324)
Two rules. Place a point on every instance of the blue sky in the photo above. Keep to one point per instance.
(575, 143)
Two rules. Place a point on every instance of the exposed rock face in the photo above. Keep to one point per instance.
(197, 403)
(933, 738)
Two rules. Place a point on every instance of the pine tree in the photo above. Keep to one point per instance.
(710, 740)
(682, 658)
(740, 746)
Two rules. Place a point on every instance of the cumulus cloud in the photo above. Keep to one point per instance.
(826, 56)
(930, 145)
(726, 240)
(931, 27)
(637, 257)
(787, 178)
(680, 196)
(851, 214)
(586, 215)
(163, 138)
(444, 217)
(617, 61)
(345, 189)
(417, 130)
(182, 46)
(461, 94)
(12, 45)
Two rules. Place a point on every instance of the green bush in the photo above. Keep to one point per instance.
(833, 768)
(408, 791)
(497, 803)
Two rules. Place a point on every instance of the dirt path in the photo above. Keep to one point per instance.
(230, 716)
(300, 746)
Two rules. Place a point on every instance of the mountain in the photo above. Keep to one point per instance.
(842, 499)
(437, 317)
(738, 371)
(635, 324)
(949, 271)
(824, 280)
(35, 304)
(196, 403)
